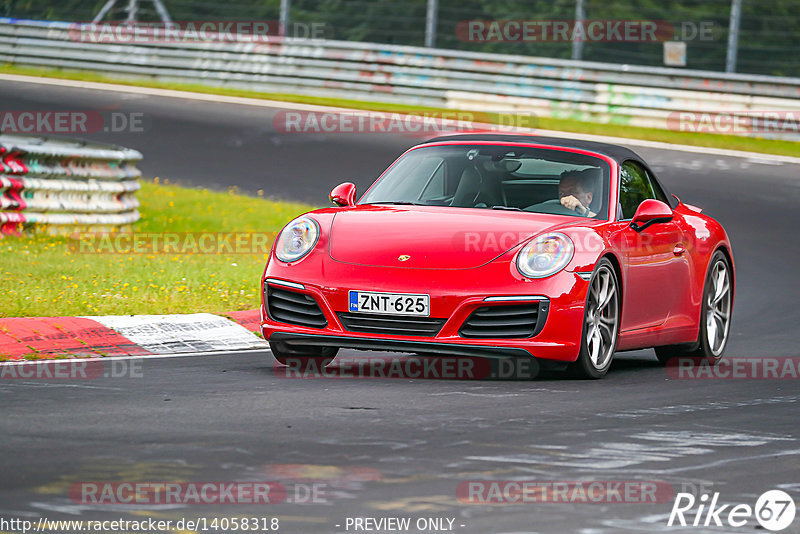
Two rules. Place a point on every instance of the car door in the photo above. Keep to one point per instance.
(656, 262)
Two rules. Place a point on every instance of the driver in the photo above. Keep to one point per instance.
(575, 191)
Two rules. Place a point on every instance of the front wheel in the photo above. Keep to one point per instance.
(715, 316)
(303, 358)
(600, 323)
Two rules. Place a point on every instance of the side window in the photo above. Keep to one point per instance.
(659, 192)
(636, 185)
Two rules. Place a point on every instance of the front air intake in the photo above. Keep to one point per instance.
(393, 325)
(512, 321)
(285, 306)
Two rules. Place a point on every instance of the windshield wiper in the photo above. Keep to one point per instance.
(509, 208)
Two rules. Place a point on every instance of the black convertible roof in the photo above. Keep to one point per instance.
(616, 152)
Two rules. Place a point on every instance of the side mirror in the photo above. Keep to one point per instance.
(649, 212)
(344, 195)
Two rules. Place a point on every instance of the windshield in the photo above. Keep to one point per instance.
(497, 177)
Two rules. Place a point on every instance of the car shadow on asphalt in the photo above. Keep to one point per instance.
(355, 365)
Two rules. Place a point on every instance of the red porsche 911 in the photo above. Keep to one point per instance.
(503, 245)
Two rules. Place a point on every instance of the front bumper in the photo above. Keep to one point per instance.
(397, 345)
(454, 295)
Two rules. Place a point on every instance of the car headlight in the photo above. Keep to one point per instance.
(297, 239)
(545, 255)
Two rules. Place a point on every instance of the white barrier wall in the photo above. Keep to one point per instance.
(602, 92)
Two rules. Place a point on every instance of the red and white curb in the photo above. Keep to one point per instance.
(129, 335)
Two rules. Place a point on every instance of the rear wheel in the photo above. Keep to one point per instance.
(715, 316)
(303, 358)
(600, 323)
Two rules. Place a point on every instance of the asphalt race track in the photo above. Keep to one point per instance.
(396, 447)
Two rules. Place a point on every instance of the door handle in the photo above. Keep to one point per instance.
(679, 249)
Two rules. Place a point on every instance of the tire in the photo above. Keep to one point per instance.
(601, 318)
(715, 316)
(303, 358)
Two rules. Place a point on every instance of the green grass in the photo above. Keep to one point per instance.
(733, 142)
(35, 356)
(43, 275)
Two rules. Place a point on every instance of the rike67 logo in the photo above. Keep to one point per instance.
(774, 510)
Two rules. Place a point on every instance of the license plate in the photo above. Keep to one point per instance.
(389, 303)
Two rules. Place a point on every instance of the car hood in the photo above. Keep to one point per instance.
(431, 237)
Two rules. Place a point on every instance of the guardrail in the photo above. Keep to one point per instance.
(57, 184)
(600, 92)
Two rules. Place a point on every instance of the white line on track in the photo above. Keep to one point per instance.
(277, 104)
(138, 357)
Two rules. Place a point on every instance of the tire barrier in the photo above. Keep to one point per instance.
(58, 184)
(656, 97)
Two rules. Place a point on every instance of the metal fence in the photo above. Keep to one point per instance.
(57, 184)
(598, 92)
(768, 36)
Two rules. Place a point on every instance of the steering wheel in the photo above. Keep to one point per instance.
(552, 206)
